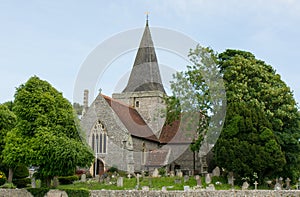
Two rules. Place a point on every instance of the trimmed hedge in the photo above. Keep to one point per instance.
(21, 183)
(38, 192)
(66, 180)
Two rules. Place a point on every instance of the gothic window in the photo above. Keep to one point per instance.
(99, 138)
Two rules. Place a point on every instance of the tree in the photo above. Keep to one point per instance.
(46, 134)
(255, 86)
(7, 122)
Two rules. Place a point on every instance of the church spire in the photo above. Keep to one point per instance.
(145, 75)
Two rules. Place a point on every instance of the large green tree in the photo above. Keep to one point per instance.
(251, 81)
(7, 122)
(46, 133)
(261, 130)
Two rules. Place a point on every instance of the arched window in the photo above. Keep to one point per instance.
(99, 138)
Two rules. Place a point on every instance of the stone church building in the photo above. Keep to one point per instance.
(127, 130)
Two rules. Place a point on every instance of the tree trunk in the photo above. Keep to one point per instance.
(10, 175)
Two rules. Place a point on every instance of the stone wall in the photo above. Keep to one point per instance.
(133, 193)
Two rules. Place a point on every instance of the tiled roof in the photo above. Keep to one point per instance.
(131, 119)
(179, 132)
(157, 158)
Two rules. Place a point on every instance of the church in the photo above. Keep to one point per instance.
(128, 130)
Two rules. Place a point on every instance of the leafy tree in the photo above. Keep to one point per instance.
(46, 134)
(78, 108)
(7, 122)
(253, 85)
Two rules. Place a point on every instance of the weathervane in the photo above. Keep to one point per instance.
(147, 16)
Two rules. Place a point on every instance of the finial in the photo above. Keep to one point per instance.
(147, 18)
(100, 90)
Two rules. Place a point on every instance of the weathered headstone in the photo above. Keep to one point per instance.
(287, 183)
(55, 182)
(155, 173)
(145, 188)
(186, 178)
(198, 180)
(138, 180)
(207, 179)
(211, 187)
(177, 181)
(129, 176)
(164, 189)
(179, 174)
(277, 185)
(172, 174)
(33, 184)
(255, 185)
(83, 178)
(216, 172)
(186, 188)
(245, 185)
(120, 182)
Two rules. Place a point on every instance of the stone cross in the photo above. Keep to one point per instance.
(129, 176)
(255, 185)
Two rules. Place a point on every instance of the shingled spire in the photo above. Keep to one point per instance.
(145, 75)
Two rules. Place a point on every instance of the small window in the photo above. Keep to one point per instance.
(137, 103)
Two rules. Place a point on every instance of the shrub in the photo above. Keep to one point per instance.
(38, 192)
(8, 186)
(77, 192)
(21, 171)
(2, 178)
(66, 180)
(21, 183)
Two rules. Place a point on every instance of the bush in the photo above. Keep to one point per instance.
(21, 171)
(2, 178)
(8, 186)
(77, 192)
(66, 180)
(38, 192)
(21, 183)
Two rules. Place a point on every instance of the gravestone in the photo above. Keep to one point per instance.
(277, 185)
(129, 176)
(155, 173)
(231, 179)
(55, 182)
(177, 181)
(33, 184)
(145, 188)
(255, 185)
(186, 188)
(216, 172)
(186, 178)
(83, 178)
(211, 187)
(172, 174)
(198, 180)
(287, 183)
(164, 189)
(179, 174)
(207, 179)
(138, 180)
(245, 185)
(120, 182)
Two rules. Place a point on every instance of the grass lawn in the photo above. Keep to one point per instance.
(153, 183)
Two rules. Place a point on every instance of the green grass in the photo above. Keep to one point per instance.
(153, 183)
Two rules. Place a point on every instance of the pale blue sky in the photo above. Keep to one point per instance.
(51, 38)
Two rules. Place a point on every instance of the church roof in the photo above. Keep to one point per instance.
(131, 119)
(145, 74)
(178, 132)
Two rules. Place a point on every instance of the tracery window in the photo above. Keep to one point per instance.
(99, 138)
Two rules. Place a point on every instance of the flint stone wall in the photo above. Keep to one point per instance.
(134, 193)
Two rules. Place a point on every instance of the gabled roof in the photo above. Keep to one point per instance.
(179, 132)
(145, 75)
(131, 119)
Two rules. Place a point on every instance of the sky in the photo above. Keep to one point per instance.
(53, 39)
